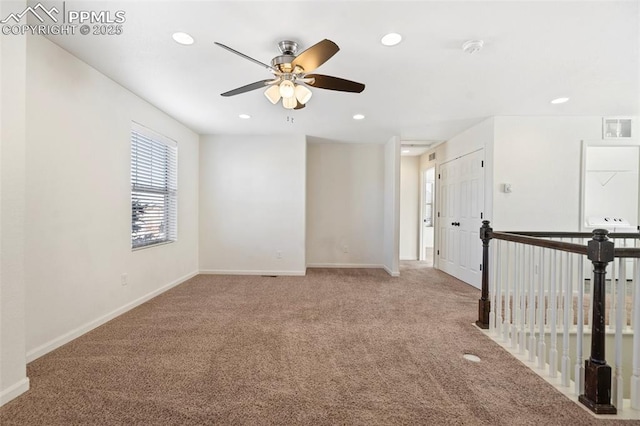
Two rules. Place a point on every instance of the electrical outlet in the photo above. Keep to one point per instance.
(124, 279)
(278, 254)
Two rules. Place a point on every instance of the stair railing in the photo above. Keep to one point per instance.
(536, 286)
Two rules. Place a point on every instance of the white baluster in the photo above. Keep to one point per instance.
(634, 289)
(635, 378)
(506, 324)
(553, 350)
(492, 286)
(516, 300)
(579, 367)
(499, 296)
(633, 325)
(613, 300)
(572, 262)
(542, 349)
(561, 278)
(566, 360)
(623, 278)
(522, 342)
(616, 380)
(532, 306)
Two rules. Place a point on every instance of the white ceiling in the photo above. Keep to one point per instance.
(426, 88)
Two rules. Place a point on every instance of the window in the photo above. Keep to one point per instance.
(154, 188)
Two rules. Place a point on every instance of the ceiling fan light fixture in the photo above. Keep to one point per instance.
(303, 94)
(287, 89)
(273, 94)
(290, 102)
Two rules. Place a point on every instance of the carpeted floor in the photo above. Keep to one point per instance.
(352, 347)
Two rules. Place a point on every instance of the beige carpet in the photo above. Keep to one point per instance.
(352, 347)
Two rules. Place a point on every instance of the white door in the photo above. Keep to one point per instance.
(461, 183)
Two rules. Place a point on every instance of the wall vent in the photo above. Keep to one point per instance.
(432, 156)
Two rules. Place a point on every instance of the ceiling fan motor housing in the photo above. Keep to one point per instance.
(288, 49)
(283, 62)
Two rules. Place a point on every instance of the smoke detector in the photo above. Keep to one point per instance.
(472, 46)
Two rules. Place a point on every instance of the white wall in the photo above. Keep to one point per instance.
(345, 196)
(78, 205)
(252, 204)
(13, 379)
(474, 138)
(541, 158)
(409, 207)
(391, 239)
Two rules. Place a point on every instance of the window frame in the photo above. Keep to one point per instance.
(154, 181)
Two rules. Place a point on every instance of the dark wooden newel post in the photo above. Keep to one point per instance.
(597, 375)
(484, 304)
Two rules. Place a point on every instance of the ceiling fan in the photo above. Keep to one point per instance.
(291, 74)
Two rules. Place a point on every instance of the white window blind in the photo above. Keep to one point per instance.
(154, 188)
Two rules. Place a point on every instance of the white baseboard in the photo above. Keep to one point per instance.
(14, 391)
(390, 272)
(344, 265)
(251, 272)
(77, 332)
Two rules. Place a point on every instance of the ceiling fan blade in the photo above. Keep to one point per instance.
(334, 83)
(316, 55)
(255, 61)
(247, 88)
(299, 106)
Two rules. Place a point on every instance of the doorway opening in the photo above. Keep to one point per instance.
(427, 223)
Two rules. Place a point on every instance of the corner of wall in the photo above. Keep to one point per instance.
(391, 260)
(13, 374)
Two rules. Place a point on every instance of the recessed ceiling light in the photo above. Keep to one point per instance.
(559, 100)
(183, 38)
(244, 116)
(405, 151)
(358, 117)
(391, 39)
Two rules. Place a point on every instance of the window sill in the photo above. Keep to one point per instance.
(163, 243)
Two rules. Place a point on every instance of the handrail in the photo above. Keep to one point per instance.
(535, 241)
(628, 252)
(554, 234)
